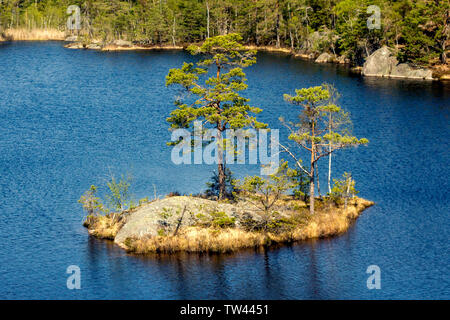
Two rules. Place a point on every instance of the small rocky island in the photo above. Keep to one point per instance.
(193, 224)
(280, 206)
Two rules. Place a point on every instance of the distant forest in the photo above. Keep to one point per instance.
(419, 29)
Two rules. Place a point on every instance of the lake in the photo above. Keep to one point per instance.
(69, 117)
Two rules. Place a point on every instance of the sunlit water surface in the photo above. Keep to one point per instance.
(68, 117)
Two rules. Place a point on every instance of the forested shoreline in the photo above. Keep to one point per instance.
(419, 30)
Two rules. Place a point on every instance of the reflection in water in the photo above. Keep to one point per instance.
(221, 289)
(182, 285)
(313, 285)
(408, 87)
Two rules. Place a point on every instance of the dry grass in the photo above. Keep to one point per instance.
(197, 239)
(441, 71)
(22, 34)
(269, 49)
(112, 47)
(325, 223)
(331, 221)
(103, 227)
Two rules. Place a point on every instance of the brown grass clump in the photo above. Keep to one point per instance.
(269, 49)
(112, 47)
(332, 221)
(327, 221)
(198, 239)
(21, 34)
(104, 227)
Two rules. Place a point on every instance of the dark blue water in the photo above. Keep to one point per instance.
(67, 118)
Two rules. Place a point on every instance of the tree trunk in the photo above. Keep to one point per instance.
(221, 168)
(446, 31)
(220, 161)
(312, 175)
(278, 25)
(347, 191)
(318, 180)
(291, 36)
(173, 30)
(329, 171)
(330, 126)
(311, 186)
(222, 190)
(207, 19)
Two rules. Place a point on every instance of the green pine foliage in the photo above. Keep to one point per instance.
(264, 192)
(314, 132)
(91, 203)
(119, 197)
(213, 186)
(343, 188)
(216, 82)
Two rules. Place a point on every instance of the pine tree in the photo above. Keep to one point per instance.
(312, 132)
(218, 103)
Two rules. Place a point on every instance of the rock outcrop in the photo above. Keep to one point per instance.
(404, 70)
(325, 58)
(148, 219)
(94, 46)
(342, 60)
(383, 63)
(74, 45)
(122, 43)
(71, 39)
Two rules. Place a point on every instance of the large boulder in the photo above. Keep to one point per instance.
(380, 63)
(94, 46)
(122, 43)
(404, 70)
(71, 39)
(324, 58)
(383, 63)
(74, 45)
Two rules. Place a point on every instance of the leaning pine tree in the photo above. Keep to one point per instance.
(217, 101)
(314, 133)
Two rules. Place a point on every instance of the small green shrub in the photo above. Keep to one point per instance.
(248, 223)
(202, 219)
(91, 203)
(216, 219)
(166, 214)
(343, 188)
(119, 197)
(222, 220)
(281, 225)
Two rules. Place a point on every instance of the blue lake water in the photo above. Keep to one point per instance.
(68, 117)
